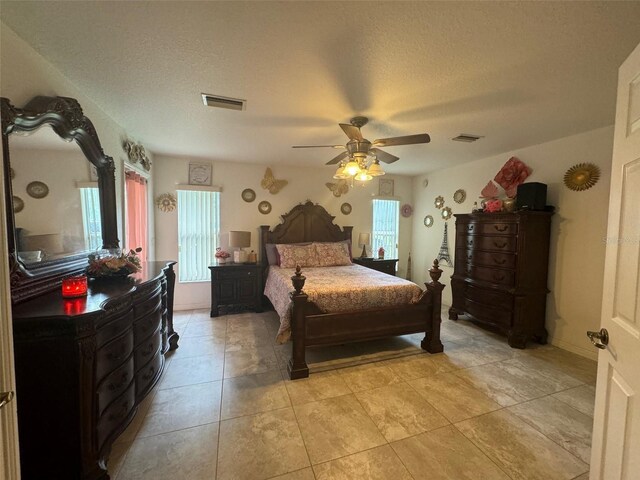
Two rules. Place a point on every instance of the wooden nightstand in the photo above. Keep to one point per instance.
(236, 285)
(384, 266)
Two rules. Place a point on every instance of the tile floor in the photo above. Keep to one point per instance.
(224, 409)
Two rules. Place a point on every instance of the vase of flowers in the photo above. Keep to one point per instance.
(221, 255)
(118, 264)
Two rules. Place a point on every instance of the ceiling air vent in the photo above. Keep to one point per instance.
(465, 137)
(223, 102)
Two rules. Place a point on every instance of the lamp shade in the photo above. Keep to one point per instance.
(375, 170)
(364, 239)
(239, 239)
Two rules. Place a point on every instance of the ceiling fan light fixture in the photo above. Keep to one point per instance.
(363, 176)
(339, 175)
(375, 170)
(352, 168)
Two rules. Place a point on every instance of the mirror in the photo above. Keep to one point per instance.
(59, 213)
(60, 190)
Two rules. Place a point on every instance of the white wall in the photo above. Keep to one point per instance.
(236, 214)
(578, 227)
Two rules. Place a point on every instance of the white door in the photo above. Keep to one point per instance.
(9, 465)
(616, 435)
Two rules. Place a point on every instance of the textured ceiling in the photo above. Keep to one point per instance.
(518, 73)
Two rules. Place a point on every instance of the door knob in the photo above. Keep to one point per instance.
(5, 397)
(599, 339)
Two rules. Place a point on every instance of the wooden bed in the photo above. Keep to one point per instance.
(311, 327)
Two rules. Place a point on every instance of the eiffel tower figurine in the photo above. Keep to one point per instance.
(444, 248)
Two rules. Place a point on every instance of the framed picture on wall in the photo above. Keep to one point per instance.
(385, 188)
(200, 174)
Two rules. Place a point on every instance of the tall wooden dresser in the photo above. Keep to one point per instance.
(500, 275)
(84, 365)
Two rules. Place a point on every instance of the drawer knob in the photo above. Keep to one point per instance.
(115, 386)
(501, 228)
(470, 243)
(499, 244)
(498, 277)
(149, 374)
(499, 261)
(120, 413)
(471, 227)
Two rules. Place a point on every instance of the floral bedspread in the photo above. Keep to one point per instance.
(337, 289)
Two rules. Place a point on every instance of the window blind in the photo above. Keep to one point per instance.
(198, 228)
(385, 227)
(91, 221)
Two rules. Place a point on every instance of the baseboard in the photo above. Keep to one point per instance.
(589, 353)
(192, 306)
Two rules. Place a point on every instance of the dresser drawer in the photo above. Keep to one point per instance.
(491, 275)
(489, 298)
(147, 375)
(144, 327)
(149, 305)
(487, 314)
(115, 414)
(111, 329)
(237, 272)
(491, 243)
(147, 349)
(114, 353)
(488, 259)
(498, 228)
(114, 384)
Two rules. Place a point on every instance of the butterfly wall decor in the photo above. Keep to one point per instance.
(270, 183)
(339, 188)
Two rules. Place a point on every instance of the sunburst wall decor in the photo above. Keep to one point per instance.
(582, 176)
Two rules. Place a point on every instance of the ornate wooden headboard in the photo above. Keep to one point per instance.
(306, 222)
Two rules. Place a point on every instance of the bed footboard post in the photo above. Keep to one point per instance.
(297, 366)
(431, 342)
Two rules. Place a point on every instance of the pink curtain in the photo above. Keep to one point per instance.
(137, 224)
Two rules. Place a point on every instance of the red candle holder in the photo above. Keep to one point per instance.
(73, 287)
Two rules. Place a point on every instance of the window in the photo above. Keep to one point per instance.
(385, 227)
(198, 228)
(91, 220)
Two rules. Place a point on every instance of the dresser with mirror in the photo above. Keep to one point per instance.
(83, 365)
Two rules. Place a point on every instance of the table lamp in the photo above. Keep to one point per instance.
(364, 239)
(239, 240)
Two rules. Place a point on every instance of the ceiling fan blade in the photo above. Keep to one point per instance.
(352, 131)
(406, 140)
(318, 146)
(383, 156)
(338, 159)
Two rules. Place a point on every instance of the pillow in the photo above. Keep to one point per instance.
(273, 257)
(345, 242)
(333, 254)
(292, 255)
(272, 254)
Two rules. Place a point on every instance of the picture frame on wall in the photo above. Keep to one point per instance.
(200, 174)
(385, 187)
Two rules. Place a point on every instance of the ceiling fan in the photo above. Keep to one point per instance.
(358, 147)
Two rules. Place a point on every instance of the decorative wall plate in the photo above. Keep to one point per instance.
(439, 201)
(428, 221)
(200, 174)
(264, 207)
(37, 189)
(406, 210)
(248, 195)
(166, 202)
(459, 196)
(345, 208)
(18, 204)
(341, 187)
(582, 176)
(446, 213)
